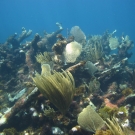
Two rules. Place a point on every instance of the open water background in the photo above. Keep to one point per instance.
(93, 16)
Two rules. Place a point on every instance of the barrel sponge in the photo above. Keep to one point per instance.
(46, 69)
(72, 51)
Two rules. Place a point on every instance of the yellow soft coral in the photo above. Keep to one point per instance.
(127, 91)
(59, 88)
(103, 132)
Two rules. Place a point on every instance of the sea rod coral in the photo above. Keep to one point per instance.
(59, 88)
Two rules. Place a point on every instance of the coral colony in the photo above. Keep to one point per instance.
(56, 85)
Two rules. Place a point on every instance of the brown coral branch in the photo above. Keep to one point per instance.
(74, 67)
(17, 107)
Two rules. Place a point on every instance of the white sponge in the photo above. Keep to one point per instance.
(72, 51)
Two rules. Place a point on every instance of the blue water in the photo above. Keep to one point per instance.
(93, 16)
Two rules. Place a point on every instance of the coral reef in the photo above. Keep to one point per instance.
(49, 112)
(94, 50)
(78, 34)
(94, 85)
(59, 88)
(107, 112)
(127, 91)
(16, 107)
(113, 43)
(15, 42)
(43, 58)
(72, 51)
(89, 120)
(10, 131)
(90, 67)
(81, 84)
(116, 128)
(46, 69)
(49, 39)
(102, 132)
